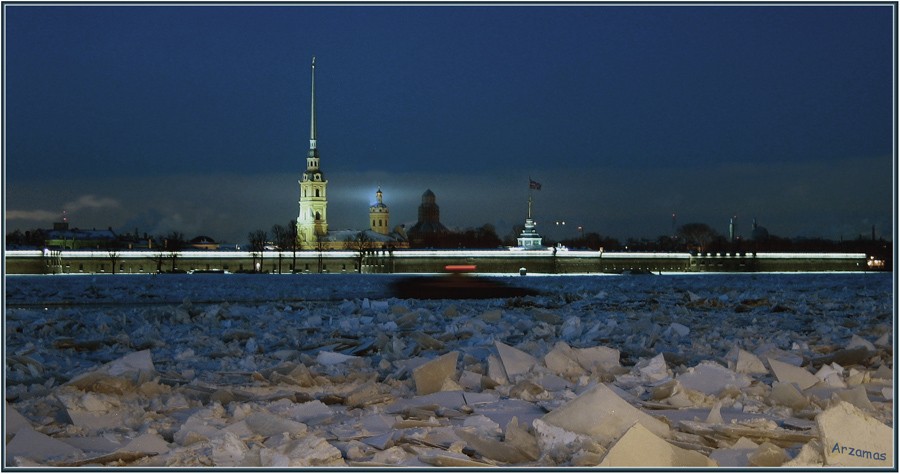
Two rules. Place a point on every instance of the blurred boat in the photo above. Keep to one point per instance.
(457, 284)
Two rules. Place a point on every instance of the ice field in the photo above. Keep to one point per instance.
(726, 370)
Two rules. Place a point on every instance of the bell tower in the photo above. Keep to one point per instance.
(312, 221)
(379, 214)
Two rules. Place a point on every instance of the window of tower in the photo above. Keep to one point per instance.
(317, 193)
(318, 216)
(373, 222)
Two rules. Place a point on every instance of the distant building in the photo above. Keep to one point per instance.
(202, 242)
(429, 223)
(61, 237)
(759, 233)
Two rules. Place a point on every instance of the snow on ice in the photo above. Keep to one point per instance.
(332, 370)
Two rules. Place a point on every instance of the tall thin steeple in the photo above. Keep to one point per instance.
(313, 150)
(312, 220)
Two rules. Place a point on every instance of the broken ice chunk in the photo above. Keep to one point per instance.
(14, 421)
(561, 360)
(333, 358)
(786, 394)
(715, 414)
(852, 438)
(515, 361)
(305, 451)
(736, 455)
(832, 375)
(228, 449)
(38, 447)
(496, 374)
(856, 396)
(767, 455)
(653, 370)
(748, 363)
(711, 378)
(639, 447)
(119, 375)
(430, 376)
(810, 456)
(602, 415)
(788, 373)
(856, 341)
(677, 329)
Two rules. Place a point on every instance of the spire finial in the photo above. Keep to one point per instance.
(312, 119)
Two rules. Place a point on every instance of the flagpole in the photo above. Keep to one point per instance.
(529, 197)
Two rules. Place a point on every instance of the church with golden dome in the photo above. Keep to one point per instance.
(312, 219)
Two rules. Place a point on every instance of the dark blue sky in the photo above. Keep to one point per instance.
(196, 118)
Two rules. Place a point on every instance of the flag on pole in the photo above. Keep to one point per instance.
(532, 184)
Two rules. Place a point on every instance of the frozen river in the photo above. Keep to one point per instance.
(246, 338)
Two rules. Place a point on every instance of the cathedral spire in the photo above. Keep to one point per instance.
(313, 150)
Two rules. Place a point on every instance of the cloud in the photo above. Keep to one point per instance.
(90, 201)
(34, 216)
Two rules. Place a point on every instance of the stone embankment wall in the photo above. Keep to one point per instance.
(424, 261)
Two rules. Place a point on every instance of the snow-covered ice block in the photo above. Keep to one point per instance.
(711, 378)
(788, 373)
(639, 447)
(430, 376)
(515, 361)
(852, 438)
(602, 415)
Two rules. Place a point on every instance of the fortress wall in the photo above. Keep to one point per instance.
(413, 261)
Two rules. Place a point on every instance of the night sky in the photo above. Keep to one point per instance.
(196, 118)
